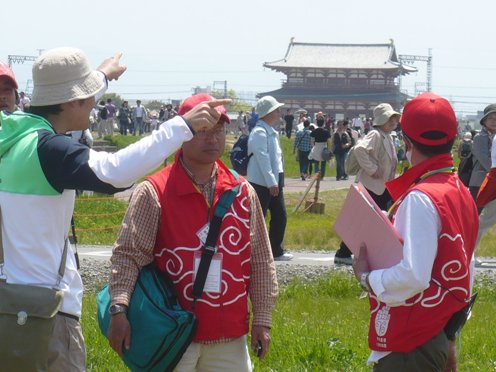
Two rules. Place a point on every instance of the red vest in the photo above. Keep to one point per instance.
(423, 316)
(184, 211)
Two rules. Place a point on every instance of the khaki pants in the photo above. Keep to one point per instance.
(229, 356)
(431, 356)
(66, 351)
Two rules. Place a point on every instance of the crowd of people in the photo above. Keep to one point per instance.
(413, 303)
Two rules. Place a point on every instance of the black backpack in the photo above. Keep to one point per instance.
(466, 149)
(465, 169)
(103, 113)
(239, 155)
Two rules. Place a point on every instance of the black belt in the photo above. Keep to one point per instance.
(68, 315)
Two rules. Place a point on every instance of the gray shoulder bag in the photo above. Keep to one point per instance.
(27, 319)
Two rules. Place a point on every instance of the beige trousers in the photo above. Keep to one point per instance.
(229, 356)
(66, 351)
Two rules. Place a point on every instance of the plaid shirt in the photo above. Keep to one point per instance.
(303, 140)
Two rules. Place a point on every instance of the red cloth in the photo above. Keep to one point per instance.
(184, 213)
(404, 328)
(487, 191)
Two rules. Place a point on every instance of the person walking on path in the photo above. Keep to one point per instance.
(289, 120)
(341, 144)
(302, 144)
(319, 139)
(412, 303)
(266, 172)
(171, 210)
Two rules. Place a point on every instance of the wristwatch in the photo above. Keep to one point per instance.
(364, 282)
(116, 309)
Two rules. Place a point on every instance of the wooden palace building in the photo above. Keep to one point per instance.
(342, 80)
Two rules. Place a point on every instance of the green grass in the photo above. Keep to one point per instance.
(322, 325)
(304, 230)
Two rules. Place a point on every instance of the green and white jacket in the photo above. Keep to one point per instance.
(39, 173)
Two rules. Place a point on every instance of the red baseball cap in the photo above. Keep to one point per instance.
(190, 102)
(6, 71)
(429, 119)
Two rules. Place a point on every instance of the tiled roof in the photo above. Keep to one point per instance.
(339, 56)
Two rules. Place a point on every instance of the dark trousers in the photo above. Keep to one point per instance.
(474, 190)
(431, 356)
(304, 162)
(340, 173)
(320, 166)
(289, 130)
(123, 127)
(278, 218)
(383, 201)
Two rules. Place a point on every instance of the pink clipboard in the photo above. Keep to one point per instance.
(361, 221)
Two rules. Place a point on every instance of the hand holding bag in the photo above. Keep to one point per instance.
(161, 329)
(27, 318)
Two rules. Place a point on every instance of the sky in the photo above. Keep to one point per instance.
(171, 47)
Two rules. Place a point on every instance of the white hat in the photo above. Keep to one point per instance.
(382, 113)
(63, 75)
(266, 105)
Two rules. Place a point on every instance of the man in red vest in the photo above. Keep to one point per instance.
(167, 221)
(8, 88)
(412, 302)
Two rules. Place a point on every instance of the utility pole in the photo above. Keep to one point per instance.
(221, 83)
(407, 58)
(14, 58)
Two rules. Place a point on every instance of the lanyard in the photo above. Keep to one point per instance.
(396, 204)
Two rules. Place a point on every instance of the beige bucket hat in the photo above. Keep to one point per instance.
(382, 113)
(63, 75)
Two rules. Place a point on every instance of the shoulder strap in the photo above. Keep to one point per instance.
(210, 247)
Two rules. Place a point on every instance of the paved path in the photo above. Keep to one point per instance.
(313, 258)
(293, 185)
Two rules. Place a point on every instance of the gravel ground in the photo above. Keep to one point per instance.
(95, 273)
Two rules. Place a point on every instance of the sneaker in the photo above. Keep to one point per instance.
(343, 261)
(284, 257)
(345, 178)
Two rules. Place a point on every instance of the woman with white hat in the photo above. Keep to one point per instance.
(376, 155)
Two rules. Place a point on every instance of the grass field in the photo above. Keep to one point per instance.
(322, 325)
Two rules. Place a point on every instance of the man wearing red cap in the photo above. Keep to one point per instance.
(412, 302)
(8, 88)
(166, 223)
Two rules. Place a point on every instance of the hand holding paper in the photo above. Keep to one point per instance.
(361, 221)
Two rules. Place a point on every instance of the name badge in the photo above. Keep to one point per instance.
(203, 233)
(214, 277)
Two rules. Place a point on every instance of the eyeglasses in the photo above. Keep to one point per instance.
(218, 131)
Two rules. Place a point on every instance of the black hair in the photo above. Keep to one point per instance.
(428, 150)
(45, 111)
(306, 123)
(320, 122)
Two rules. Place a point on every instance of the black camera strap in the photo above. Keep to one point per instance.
(210, 246)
